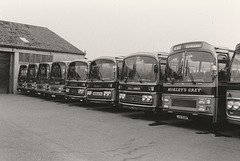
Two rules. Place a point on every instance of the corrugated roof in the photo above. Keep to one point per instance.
(33, 37)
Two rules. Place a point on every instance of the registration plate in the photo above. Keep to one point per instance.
(182, 117)
(97, 93)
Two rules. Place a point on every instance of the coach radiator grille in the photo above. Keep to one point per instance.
(135, 99)
(184, 103)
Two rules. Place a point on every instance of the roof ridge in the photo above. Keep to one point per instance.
(22, 24)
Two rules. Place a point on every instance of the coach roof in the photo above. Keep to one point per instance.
(23, 36)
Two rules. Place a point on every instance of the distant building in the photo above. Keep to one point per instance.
(24, 44)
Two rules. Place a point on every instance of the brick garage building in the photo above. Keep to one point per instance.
(24, 44)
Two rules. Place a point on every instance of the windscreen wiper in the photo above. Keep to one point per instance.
(140, 79)
(169, 75)
(138, 75)
(77, 76)
(191, 77)
(180, 69)
(177, 75)
(190, 74)
(100, 75)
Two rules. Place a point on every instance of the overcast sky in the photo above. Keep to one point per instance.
(121, 27)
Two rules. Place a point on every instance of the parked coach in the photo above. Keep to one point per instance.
(141, 82)
(22, 78)
(196, 80)
(58, 79)
(43, 78)
(31, 78)
(76, 83)
(104, 79)
(233, 89)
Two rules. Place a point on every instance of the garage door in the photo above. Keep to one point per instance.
(4, 72)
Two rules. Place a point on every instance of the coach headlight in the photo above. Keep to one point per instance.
(166, 101)
(80, 91)
(107, 93)
(236, 105)
(146, 98)
(67, 90)
(34, 85)
(204, 101)
(208, 101)
(230, 104)
(165, 105)
(122, 96)
(204, 108)
(201, 101)
(24, 85)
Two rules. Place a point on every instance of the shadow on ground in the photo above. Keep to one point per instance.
(201, 127)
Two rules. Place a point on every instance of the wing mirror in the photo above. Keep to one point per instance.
(155, 68)
(114, 69)
(214, 71)
(86, 71)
